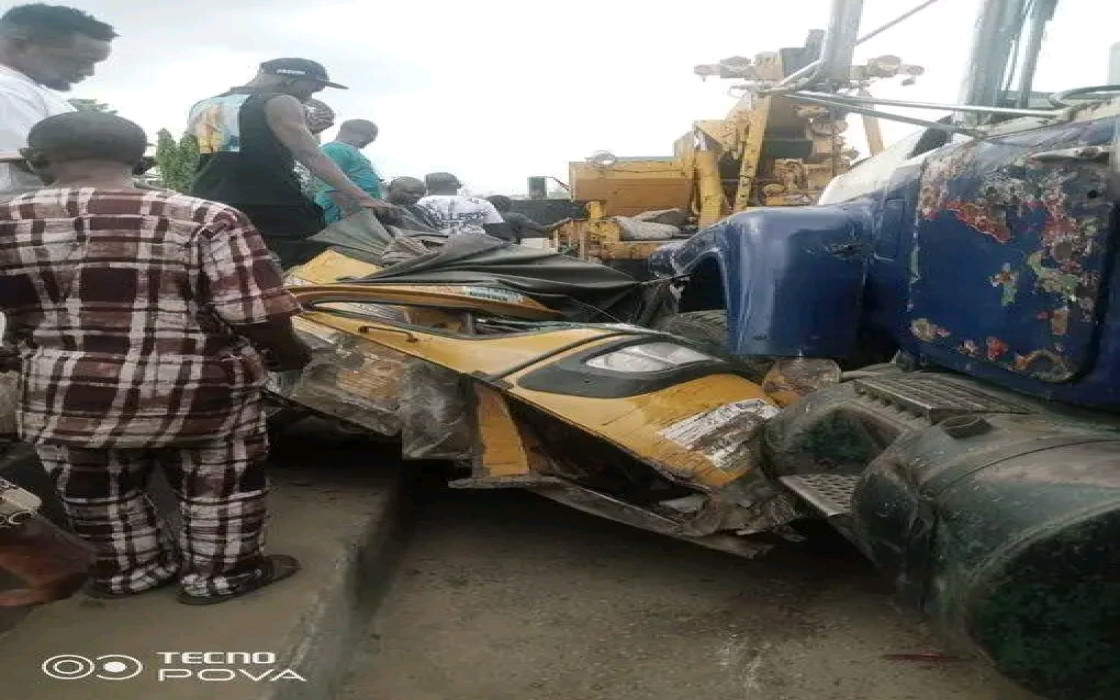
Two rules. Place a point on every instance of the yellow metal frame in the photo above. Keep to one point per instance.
(449, 297)
(712, 203)
(330, 266)
(503, 450)
(755, 136)
(600, 238)
(427, 304)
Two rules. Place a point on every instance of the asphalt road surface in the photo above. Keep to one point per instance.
(507, 596)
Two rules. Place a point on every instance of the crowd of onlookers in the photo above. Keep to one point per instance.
(144, 323)
(436, 202)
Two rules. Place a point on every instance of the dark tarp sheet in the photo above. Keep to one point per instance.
(583, 291)
(363, 237)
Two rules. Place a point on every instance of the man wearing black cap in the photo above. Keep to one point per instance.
(250, 138)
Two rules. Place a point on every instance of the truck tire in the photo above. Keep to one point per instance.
(707, 331)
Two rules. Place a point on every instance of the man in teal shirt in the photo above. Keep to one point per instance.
(346, 152)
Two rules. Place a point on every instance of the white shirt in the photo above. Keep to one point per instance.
(458, 214)
(23, 104)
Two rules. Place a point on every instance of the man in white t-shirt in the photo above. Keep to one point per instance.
(456, 213)
(43, 49)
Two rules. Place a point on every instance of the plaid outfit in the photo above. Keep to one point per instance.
(122, 304)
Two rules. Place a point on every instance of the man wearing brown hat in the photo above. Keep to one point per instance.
(251, 137)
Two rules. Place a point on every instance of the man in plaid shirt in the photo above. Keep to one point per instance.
(147, 322)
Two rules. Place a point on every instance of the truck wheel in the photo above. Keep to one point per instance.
(707, 330)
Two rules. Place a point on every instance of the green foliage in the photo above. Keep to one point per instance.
(176, 160)
(83, 104)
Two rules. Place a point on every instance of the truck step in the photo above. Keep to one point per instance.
(935, 397)
(831, 494)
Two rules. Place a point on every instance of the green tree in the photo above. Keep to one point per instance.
(176, 160)
(83, 104)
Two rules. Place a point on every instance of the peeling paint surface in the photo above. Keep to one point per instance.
(1010, 252)
(927, 330)
(723, 433)
(1008, 280)
(1042, 363)
(996, 348)
(1059, 321)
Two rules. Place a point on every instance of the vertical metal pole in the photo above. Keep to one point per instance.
(991, 52)
(1041, 14)
(873, 129)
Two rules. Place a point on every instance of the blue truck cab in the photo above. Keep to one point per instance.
(965, 281)
(991, 256)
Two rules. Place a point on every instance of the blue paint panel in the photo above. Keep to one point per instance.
(887, 292)
(889, 228)
(1009, 252)
(793, 277)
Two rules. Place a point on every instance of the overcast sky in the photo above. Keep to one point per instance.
(498, 90)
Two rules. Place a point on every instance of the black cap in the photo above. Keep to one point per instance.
(299, 68)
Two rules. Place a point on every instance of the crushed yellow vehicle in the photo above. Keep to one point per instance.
(612, 419)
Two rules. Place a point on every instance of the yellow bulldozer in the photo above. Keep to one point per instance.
(768, 151)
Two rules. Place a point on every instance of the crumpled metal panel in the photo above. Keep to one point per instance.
(349, 378)
(435, 413)
(1010, 251)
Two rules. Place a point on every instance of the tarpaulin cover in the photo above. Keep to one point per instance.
(582, 290)
(363, 237)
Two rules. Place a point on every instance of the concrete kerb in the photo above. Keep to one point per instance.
(333, 630)
(342, 513)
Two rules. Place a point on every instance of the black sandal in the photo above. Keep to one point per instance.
(276, 567)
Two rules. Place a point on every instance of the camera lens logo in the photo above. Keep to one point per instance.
(110, 667)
